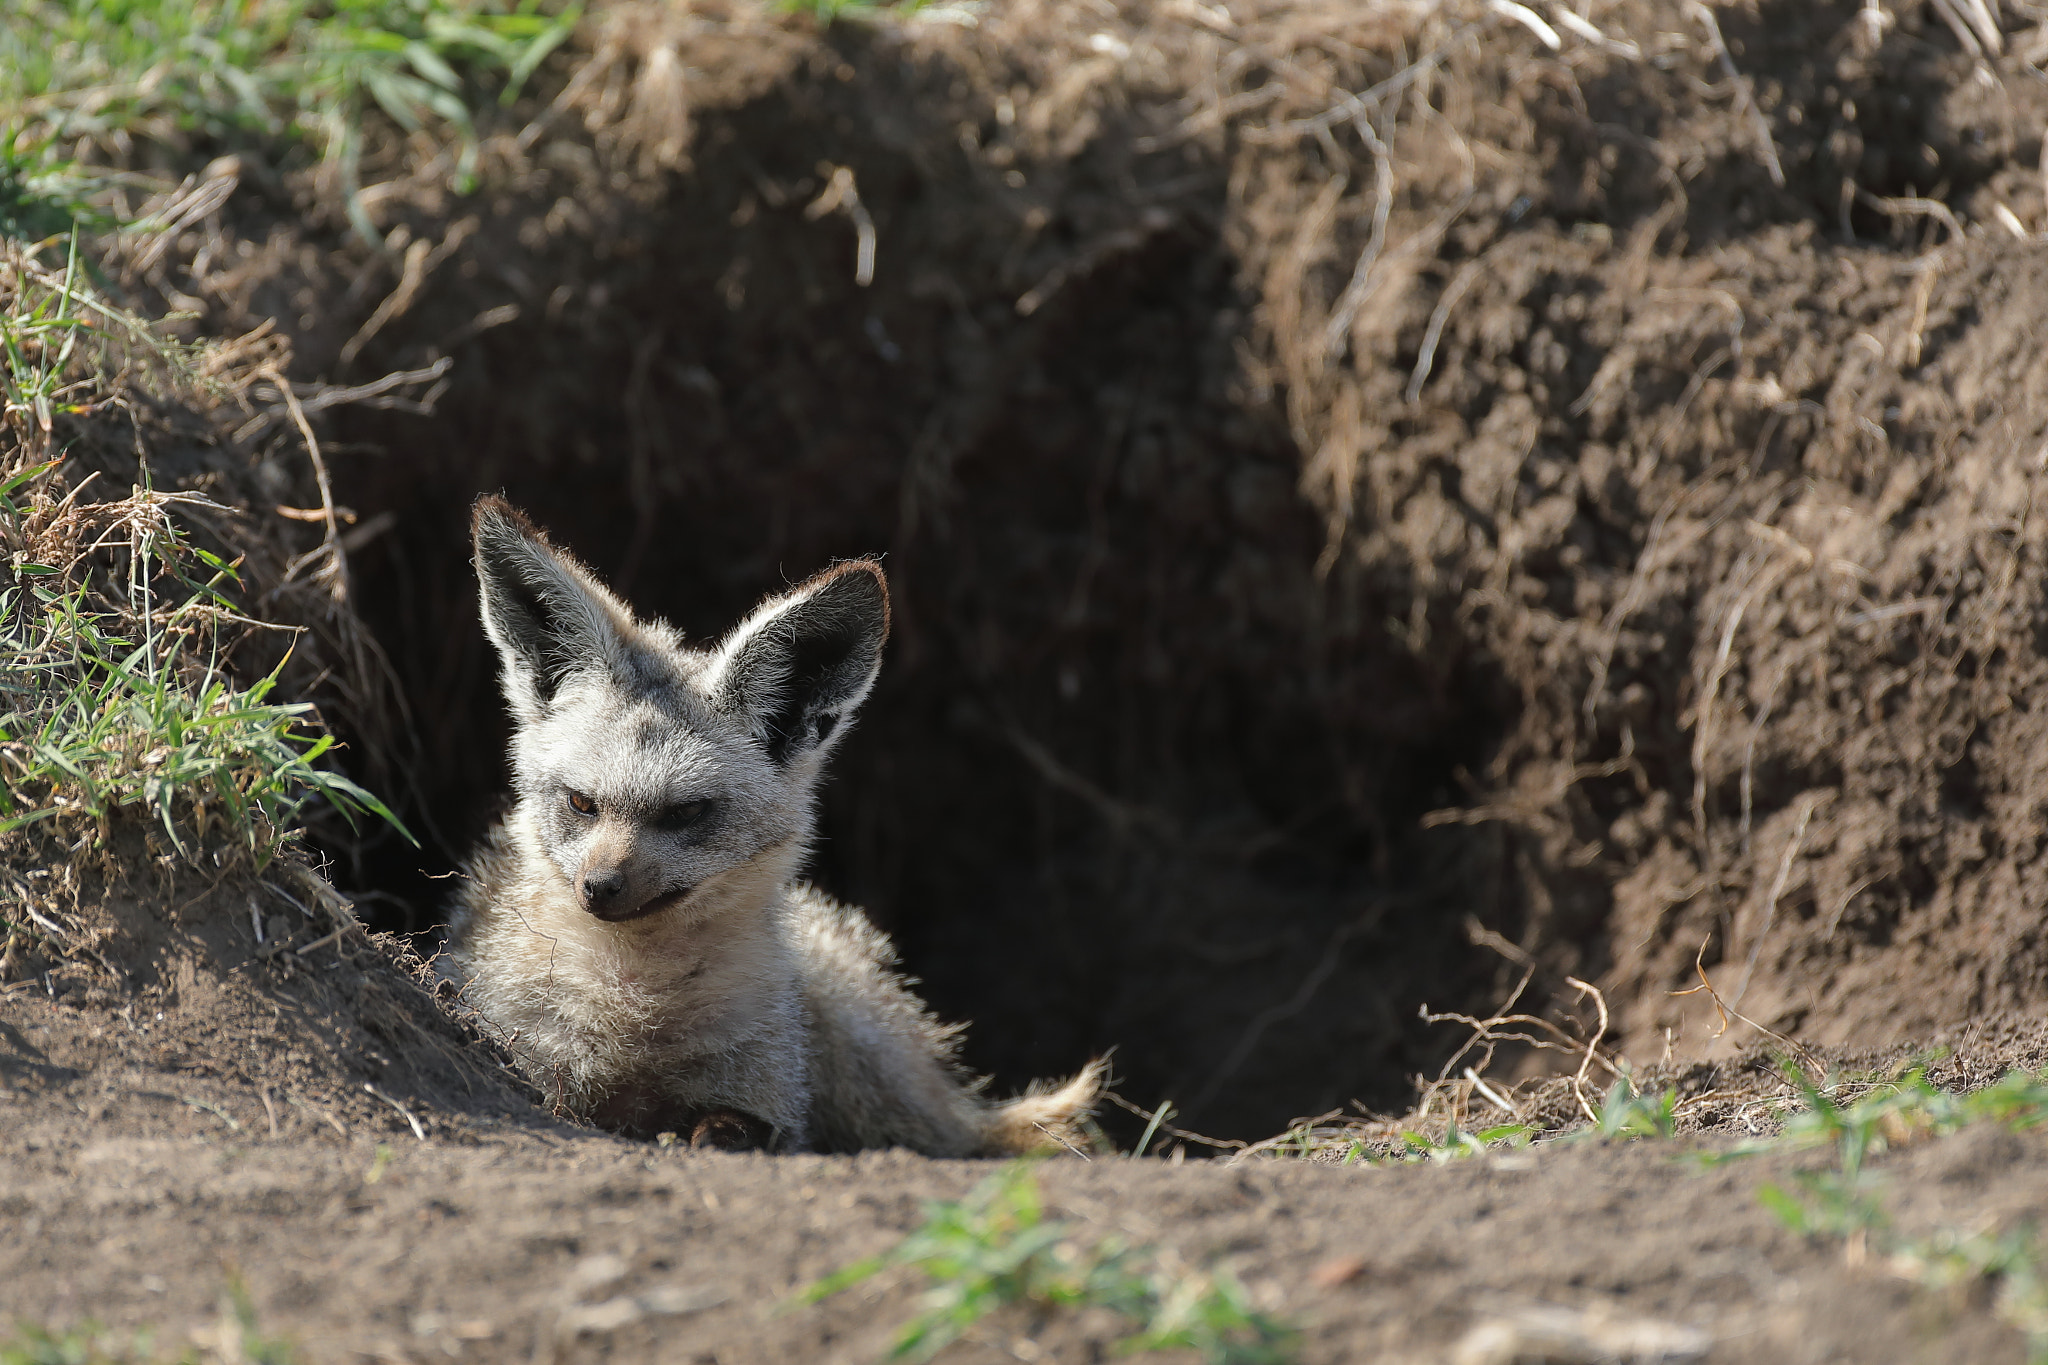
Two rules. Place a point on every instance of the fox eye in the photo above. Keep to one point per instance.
(582, 804)
(685, 815)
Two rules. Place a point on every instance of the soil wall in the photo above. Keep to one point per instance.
(1379, 501)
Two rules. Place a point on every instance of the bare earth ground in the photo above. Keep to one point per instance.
(185, 1111)
(495, 1242)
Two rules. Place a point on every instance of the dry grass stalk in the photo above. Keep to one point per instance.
(1727, 1012)
(1806, 809)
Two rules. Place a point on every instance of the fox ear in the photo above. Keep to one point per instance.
(548, 617)
(797, 668)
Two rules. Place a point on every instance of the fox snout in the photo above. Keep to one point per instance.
(611, 895)
(612, 885)
(603, 890)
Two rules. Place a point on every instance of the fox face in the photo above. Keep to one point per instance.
(663, 780)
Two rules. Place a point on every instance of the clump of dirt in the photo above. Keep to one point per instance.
(1380, 502)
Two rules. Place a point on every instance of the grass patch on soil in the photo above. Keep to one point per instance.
(116, 624)
(102, 70)
(107, 718)
(1858, 1116)
(1895, 1113)
(236, 1338)
(996, 1249)
(1846, 1202)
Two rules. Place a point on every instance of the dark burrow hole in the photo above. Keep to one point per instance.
(1135, 775)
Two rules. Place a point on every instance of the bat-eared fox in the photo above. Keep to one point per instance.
(634, 927)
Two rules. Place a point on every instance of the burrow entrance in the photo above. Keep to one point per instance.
(1137, 774)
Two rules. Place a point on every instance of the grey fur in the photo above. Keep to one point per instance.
(634, 929)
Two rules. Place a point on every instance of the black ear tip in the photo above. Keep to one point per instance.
(491, 517)
(857, 585)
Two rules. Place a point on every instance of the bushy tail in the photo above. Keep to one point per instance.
(1044, 1117)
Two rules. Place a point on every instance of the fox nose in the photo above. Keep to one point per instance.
(602, 889)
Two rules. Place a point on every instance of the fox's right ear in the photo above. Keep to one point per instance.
(548, 617)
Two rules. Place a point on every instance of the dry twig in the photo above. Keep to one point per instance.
(418, 1130)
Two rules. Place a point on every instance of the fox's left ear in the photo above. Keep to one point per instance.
(797, 668)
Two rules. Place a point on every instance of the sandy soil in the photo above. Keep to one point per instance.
(185, 1111)
(499, 1242)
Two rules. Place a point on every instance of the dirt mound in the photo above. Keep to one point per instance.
(166, 1001)
(162, 936)
(1362, 488)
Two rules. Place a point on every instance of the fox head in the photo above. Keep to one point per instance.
(659, 776)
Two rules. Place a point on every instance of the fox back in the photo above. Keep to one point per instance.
(634, 927)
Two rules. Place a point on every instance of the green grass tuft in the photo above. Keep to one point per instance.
(99, 722)
(309, 69)
(995, 1248)
(1846, 1202)
(1629, 1113)
(42, 194)
(1457, 1144)
(114, 626)
(825, 11)
(48, 332)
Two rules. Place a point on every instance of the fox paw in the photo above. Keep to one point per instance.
(728, 1130)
